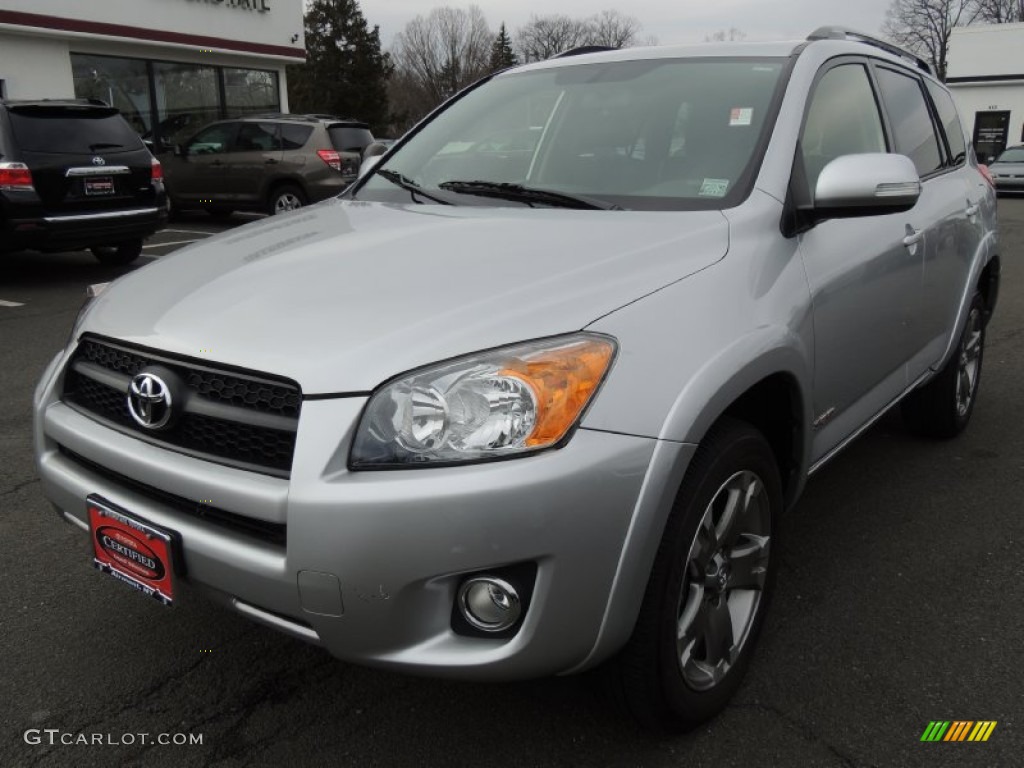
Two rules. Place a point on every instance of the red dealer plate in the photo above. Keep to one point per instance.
(132, 551)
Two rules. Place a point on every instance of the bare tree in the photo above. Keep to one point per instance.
(999, 11)
(925, 26)
(441, 53)
(544, 36)
(730, 35)
(613, 29)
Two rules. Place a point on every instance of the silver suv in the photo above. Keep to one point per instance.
(507, 411)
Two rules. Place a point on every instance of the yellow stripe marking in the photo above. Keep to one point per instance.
(988, 731)
(978, 728)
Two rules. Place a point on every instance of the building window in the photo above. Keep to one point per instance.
(250, 91)
(122, 83)
(168, 102)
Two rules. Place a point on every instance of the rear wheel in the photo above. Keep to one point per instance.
(118, 255)
(285, 198)
(943, 407)
(709, 587)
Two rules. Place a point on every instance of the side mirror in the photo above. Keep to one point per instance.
(990, 159)
(368, 164)
(866, 185)
(374, 149)
(179, 151)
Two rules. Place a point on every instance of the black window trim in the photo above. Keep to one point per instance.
(941, 126)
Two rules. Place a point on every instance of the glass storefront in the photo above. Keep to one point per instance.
(167, 102)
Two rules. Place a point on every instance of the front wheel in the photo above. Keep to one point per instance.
(709, 587)
(284, 199)
(943, 407)
(118, 255)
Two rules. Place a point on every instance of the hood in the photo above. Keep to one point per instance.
(344, 295)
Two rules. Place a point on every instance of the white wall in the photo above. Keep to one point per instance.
(974, 98)
(213, 18)
(35, 67)
(986, 50)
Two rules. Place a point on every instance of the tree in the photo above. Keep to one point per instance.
(544, 36)
(502, 55)
(438, 55)
(999, 11)
(925, 26)
(345, 73)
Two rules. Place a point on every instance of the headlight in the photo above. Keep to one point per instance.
(506, 402)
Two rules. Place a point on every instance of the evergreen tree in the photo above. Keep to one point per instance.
(346, 73)
(502, 55)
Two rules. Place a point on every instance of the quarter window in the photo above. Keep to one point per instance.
(212, 141)
(842, 119)
(912, 126)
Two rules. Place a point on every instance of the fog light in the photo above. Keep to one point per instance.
(489, 604)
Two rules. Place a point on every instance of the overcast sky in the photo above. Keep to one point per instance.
(671, 21)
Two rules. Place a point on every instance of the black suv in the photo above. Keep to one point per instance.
(269, 163)
(73, 174)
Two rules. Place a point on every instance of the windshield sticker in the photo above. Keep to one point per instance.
(741, 116)
(714, 187)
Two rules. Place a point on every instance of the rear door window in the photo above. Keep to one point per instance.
(61, 130)
(912, 126)
(348, 138)
(295, 136)
(256, 137)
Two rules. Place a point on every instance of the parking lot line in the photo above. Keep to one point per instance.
(176, 242)
(189, 231)
(11, 303)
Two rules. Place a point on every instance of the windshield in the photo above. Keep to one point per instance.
(660, 134)
(1012, 155)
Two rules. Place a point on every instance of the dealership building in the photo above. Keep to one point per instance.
(170, 66)
(986, 76)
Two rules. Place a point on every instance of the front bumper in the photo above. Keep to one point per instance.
(1009, 183)
(371, 561)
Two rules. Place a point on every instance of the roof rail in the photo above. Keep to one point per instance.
(580, 50)
(842, 33)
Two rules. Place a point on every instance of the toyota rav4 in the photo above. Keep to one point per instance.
(518, 412)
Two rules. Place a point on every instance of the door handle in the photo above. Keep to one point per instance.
(972, 210)
(270, 161)
(913, 237)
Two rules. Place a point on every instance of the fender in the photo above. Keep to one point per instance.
(765, 352)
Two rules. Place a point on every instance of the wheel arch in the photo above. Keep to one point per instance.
(769, 391)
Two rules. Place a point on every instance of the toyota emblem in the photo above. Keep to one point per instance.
(149, 401)
(97, 160)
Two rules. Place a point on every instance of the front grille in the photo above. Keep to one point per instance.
(238, 418)
(272, 533)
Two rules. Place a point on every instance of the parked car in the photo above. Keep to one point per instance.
(266, 163)
(74, 175)
(461, 426)
(1008, 170)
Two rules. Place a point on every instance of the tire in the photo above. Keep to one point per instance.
(285, 198)
(704, 569)
(943, 407)
(118, 255)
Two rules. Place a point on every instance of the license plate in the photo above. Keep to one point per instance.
(131, 550)
(100, 185)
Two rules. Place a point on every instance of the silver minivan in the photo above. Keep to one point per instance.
(509, 411)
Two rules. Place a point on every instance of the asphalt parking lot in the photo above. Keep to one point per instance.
(900, 601)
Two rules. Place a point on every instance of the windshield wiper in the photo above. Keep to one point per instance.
(103, 145)
(528, 195)
(410, 186)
